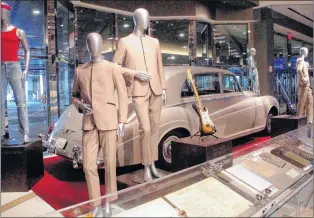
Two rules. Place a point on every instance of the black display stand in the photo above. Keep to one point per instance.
(22, 165)
(188, 152)
(286, 123)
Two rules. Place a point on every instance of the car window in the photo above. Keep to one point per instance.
(229, 84)
(207, 83)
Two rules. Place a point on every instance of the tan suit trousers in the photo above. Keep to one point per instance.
(148, 109)
(305, 104)
(93, 140)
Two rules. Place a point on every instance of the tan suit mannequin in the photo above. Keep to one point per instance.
(305, 95)
(93, 93)
(141, 52)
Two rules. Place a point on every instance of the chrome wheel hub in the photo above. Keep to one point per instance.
(166, 148)
(268, 122)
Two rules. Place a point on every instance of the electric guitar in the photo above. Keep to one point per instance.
(206, 125)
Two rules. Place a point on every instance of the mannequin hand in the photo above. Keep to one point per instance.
(120, 130)
(164, 96)
(24, 75)
(143, 76)
(86, 108)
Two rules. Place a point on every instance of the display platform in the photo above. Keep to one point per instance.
(285, 123)
(21, 165)
(191, 151)
(257, 183)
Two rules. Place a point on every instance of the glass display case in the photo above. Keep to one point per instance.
(272, 178)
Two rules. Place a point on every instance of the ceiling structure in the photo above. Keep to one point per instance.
(301, 11)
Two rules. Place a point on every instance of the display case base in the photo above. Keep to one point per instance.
(286, 123)
(22, 165)
(191, 151)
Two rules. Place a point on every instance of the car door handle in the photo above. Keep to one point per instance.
(221, 98)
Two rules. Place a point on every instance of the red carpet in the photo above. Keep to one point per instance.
(61, 192)
(62, 186)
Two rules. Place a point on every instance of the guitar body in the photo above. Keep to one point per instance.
(206, 124)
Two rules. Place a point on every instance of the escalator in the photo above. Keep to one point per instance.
(281, 94)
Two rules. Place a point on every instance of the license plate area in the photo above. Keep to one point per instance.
(60, 142)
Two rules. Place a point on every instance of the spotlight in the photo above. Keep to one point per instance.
(36, 12)
(126, 25)
(181, 35)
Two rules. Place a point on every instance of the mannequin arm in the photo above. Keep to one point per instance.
(120, 53)
(122, 94)
(160, 67)
(22, 36)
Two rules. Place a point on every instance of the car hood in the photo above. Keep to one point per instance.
(69, 125)
(250, 94)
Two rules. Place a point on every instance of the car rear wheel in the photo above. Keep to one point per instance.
(164, 149)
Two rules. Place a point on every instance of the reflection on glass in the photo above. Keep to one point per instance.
(231, 43)
(33, 24)
(173, 39)
(99, 22)
(125, 25)
(65, 51)
(203, 44)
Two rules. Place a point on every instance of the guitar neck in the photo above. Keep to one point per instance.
(200, 105)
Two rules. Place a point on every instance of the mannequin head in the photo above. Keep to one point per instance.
(141, 19)
(5, 11)
(304, 52)
(253, 51)
(94, 46)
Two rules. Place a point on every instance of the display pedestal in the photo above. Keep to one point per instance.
(188, 152)
(286, 123)
(22, 165)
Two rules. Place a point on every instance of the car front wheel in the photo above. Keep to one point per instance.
(164, 149)
(268, 123)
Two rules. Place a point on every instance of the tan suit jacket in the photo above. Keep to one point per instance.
(95, 84)
(134, 53)
(303, 73)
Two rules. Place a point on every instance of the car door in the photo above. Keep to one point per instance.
(240, 109)
(208, 87)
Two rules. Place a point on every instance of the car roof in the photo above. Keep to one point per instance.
(174, 70)
(176, 76)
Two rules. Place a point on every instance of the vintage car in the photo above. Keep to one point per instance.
(235, 113)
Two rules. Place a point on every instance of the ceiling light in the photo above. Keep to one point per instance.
(249, 31)
(234, 27)
(181, 35)
(244, 33)
(184, 47)
(61, 25)
(36, 12)
(124, 18)
(126, 25)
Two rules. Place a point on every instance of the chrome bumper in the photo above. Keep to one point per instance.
(75, 155)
